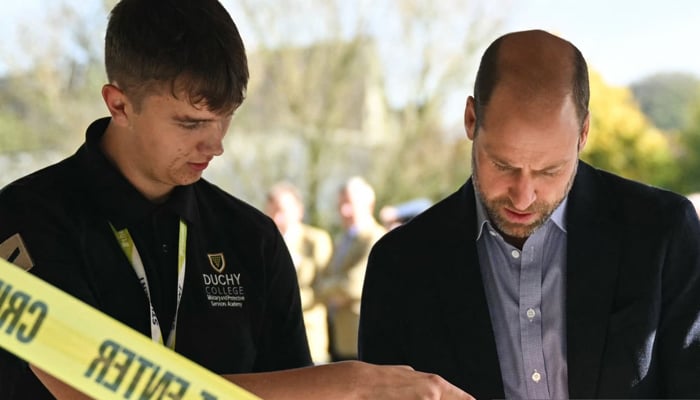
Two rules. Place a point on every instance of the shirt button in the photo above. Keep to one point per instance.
(165, 248)
(530, 313)
(536, 376)
(515, 254)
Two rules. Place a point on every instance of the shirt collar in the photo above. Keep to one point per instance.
(558, 217)
(116, 196)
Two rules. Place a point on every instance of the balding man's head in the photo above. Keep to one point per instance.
(538, 68)
(531, 109)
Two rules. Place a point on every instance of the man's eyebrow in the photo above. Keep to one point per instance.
(556, 165)
(504, 163)
(498, 160)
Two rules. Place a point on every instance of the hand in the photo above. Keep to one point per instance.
(350, 380)
(400, 382)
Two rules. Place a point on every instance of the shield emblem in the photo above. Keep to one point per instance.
(217, 261)
(13, 250)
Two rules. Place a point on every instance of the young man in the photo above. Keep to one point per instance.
(128, 226)
(541, 277)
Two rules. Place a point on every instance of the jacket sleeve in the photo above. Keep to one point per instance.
(381, 326)
(678, 334)
(36, 234)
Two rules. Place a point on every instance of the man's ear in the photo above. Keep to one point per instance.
(470, 117)
(583, 138)
(117, 104)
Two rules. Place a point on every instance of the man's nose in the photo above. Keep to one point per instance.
(522, 192)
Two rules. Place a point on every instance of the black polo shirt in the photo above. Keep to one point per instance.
(240, 309)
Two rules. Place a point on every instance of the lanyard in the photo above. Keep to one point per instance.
(127, 244)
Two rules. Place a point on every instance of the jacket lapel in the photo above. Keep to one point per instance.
(592, 268)
(464, 300)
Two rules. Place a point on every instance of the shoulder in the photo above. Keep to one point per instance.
(56, 189)
(447, 220)
(61, 177)
(217, 205)
(369, 234)
(376, 231)
(626, 201)
(210, 195)
(315, 234)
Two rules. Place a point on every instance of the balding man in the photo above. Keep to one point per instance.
(542, 277)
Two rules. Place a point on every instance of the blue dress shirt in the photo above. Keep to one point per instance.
(525, 292)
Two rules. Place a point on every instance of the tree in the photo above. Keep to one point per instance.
(355, 88)
(46, 102)
(623, 140)
(667, 98)
(689, 154)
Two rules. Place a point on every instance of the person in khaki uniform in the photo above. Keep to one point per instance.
(340, 286)
(311, 250)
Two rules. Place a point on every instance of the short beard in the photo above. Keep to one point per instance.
(506, 228)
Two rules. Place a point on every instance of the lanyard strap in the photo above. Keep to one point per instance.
(127, 244)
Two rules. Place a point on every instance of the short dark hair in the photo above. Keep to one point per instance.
(191, 45)
(489, 73)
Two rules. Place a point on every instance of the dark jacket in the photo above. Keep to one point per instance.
(632, 294)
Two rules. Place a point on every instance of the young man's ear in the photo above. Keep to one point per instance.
(117, 104)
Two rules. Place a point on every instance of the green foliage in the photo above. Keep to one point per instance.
(623, 141)
(39, 110)
(667, 98)
(15, 135)
(424, 162)
(22, 104)
(689, 157)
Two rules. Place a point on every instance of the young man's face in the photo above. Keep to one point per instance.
(171, 142)
(524, 161)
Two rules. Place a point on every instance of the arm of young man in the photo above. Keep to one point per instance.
(343, 380)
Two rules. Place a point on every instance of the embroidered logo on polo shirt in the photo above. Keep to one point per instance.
(223, 290)
(14, 251)
(217, 261)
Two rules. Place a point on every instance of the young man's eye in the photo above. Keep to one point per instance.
(190, 125)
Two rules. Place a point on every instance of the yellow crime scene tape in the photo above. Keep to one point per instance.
(93, 352)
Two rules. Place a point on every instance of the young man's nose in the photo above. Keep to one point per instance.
(213, 142)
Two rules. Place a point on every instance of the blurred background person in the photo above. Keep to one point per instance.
(341, 283)
(311, 250)
(393, 215)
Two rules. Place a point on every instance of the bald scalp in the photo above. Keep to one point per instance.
(536, 65)
(536, 68)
